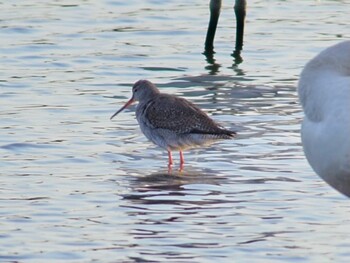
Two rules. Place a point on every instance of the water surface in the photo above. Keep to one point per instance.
(77, 187)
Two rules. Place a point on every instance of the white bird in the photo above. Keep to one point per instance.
(324, 92)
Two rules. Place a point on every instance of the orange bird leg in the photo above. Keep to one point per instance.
(182, 160)
(170, 158)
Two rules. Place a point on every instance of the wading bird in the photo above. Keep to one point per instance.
(240, 11)
(171, 122)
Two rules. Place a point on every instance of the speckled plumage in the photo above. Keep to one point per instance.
(171, 122)
(176, 124)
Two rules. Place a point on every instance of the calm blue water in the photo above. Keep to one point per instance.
(78, 187)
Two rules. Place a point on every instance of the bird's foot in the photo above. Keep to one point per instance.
(170, 168)
(181, 167)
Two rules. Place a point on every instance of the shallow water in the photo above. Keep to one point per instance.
(77, 187)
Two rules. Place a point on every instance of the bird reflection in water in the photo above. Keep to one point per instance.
(171, 188)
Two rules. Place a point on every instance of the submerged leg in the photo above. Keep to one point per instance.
(182, 160)
(215, 6)
(170, 159)
(240, 11)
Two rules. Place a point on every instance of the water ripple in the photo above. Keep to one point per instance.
(77, 187)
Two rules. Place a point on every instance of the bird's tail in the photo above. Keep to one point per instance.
(218, 133)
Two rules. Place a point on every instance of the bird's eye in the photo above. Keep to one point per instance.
(135, 90)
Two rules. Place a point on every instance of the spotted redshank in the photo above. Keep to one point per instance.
(171, 122)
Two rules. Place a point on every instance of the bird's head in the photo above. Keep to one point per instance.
(142, 90)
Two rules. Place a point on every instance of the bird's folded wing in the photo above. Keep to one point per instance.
(179, 115)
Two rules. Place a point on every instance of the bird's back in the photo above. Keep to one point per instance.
(173, 122)
(181, 116)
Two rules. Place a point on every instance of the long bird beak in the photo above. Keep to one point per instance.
(122, 108)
